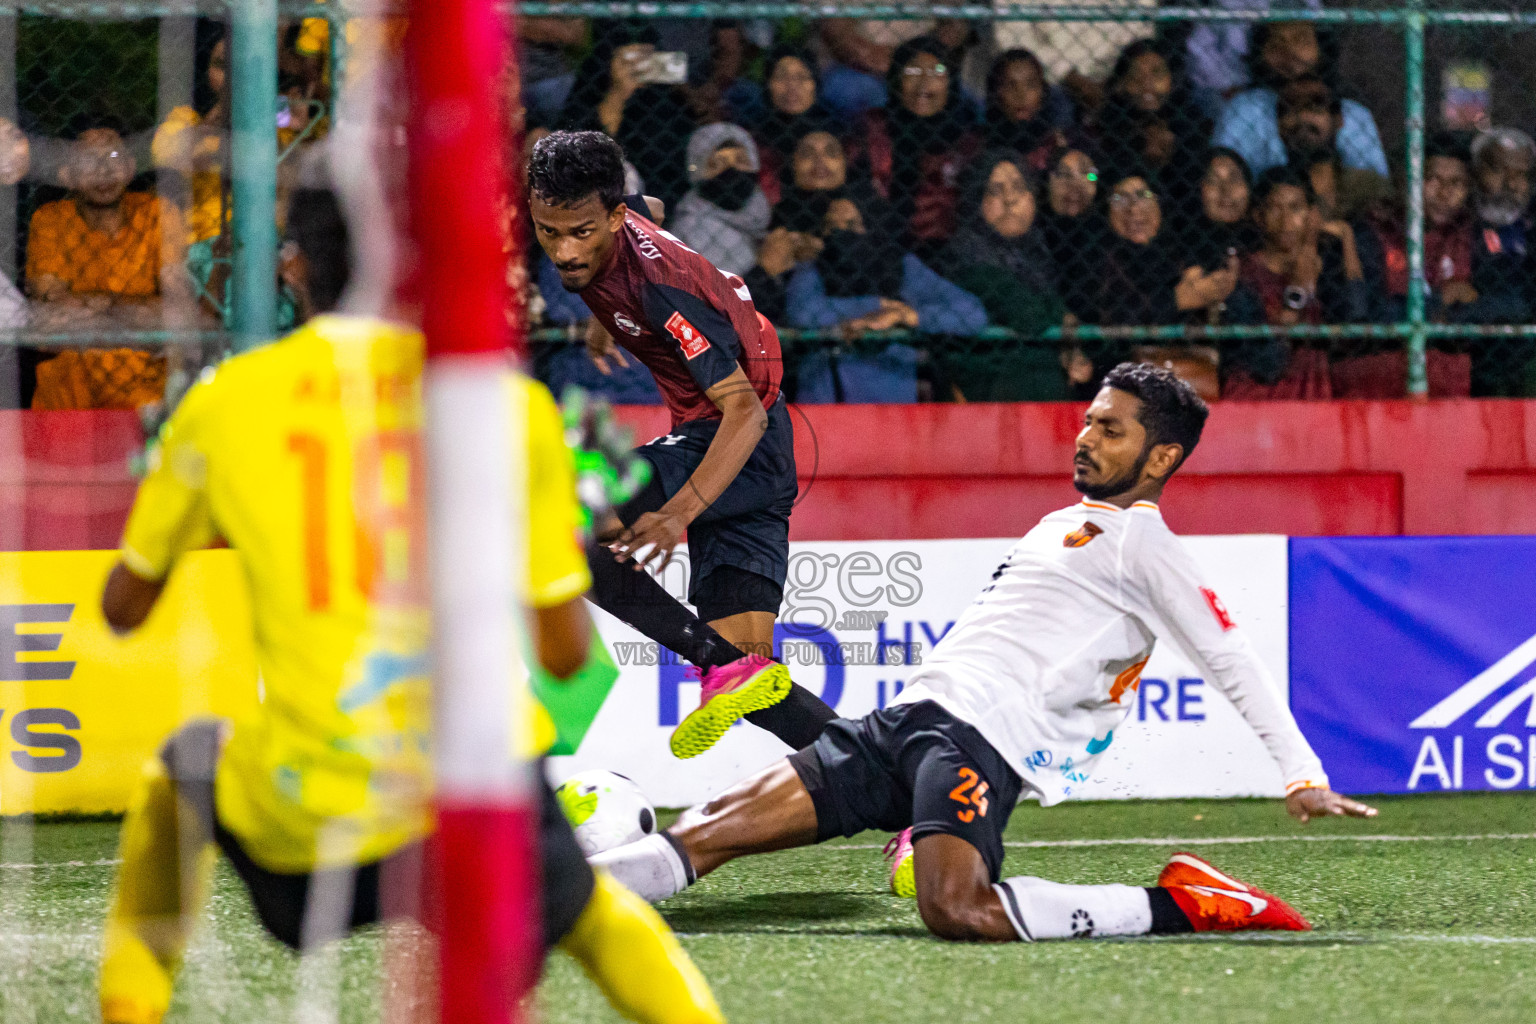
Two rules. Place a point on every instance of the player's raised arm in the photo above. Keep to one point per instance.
(128, 598)
(743, 421)
(708, 346)
(170, 517)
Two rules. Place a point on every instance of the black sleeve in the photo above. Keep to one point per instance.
(702, 336)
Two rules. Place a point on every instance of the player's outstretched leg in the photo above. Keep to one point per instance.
(957, 901)
(160, 890)
(629, 952)
(1216, 902)
(768, 811)
(727, 693)
(767, 699)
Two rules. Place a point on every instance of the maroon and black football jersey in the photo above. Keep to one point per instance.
(689, 322)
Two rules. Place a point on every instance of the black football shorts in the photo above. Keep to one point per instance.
(910, 765)
(746, 529)
(378, 891)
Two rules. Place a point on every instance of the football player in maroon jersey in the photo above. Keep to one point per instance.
(725, 471)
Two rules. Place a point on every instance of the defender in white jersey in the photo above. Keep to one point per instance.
(1021, 696)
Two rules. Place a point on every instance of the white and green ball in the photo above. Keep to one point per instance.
(605, 809)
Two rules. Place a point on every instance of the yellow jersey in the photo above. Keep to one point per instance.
(306, 457)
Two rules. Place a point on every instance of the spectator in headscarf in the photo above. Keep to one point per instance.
(1072, 225)
(1024, 113)
(999, 255)
(794, 110)
(1222, 223)
(921, 142)
(652, 122)
(863, 281)
(816, 174)
(1149, 120)
(1140, 278)
(817, 171)
(725, 215)
(863, 50)
(1281, 52)
(608, 78)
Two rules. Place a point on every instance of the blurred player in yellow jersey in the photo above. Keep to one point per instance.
(305, 456)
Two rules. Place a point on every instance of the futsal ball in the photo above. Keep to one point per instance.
(605, 809)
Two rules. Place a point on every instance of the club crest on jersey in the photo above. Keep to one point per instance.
(1080, 536)
(1218, 609)
(688, 336)
(626, 325)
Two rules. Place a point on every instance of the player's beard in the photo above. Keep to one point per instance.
(1118, 485)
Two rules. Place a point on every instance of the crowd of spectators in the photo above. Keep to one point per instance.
(127, 232)
(928, 210)
(893, 191)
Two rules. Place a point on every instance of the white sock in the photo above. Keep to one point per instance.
(652, 868)
(1049, 910)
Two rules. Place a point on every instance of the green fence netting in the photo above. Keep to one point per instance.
(1280, 198)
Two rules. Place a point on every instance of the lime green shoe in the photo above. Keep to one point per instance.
(899, 852)
(747, 684)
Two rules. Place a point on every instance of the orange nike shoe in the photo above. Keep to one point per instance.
(1217, 902)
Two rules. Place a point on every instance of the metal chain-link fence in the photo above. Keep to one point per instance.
(1001, 202)
(116, 179)
(932, 202)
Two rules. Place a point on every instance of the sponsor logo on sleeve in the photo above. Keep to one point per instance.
(1128, 679)
(1218, 609)
(1081, 536)
(688, 336)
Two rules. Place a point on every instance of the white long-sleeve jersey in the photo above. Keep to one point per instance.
(1045, 663)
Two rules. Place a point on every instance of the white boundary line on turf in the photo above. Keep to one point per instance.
(1311, 940)
(1362, 938)
(1052, 844)
(1493, 940)
(62, 864)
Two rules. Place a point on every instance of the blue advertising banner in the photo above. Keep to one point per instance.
(1413, 661)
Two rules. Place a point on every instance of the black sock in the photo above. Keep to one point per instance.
(797, 719)
(682, 854)
(636, 598)
(1167, 918)
(642, 602)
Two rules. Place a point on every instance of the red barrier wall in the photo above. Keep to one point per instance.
(64, 480)
(1298, 468)
(921, 471)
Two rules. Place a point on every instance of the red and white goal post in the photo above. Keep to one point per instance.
(484, 867)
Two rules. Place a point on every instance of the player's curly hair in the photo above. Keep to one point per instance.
(1170, 411)
(569, 167)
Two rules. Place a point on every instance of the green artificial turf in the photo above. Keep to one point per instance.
(1439, 930)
